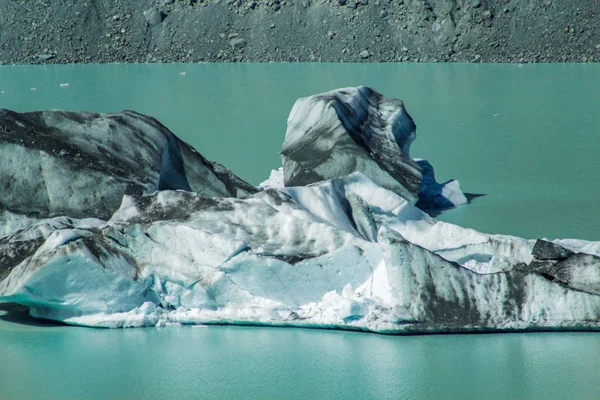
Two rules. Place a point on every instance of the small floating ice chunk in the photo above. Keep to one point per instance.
(182, 73)
(438, 196)
(65, 84)
(33, 89)
(275, 180)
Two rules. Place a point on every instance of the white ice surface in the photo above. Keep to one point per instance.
(452, 242)
(270, 260)
(275, 180)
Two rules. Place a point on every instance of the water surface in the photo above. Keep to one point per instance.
(527, 136)
(59, 362)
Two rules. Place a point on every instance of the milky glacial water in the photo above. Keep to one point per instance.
(219, 362)
(526, 136)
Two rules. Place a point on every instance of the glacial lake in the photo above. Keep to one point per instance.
(526, 136)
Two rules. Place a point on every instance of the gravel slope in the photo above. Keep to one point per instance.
(76, 31)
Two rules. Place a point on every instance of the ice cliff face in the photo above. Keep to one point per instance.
(344, 253)
(80, 164)
(346, 130)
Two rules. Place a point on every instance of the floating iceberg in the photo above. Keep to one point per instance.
(351, 130)
(80, 164)
(344, 252)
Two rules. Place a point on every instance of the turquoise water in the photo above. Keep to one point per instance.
(525, 136)
(57, 362)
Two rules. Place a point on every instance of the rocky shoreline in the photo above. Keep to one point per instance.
(108, 31)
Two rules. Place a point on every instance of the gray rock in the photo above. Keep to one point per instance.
(364, 54)
(237, 43)
(190, 20)
(544, 250)
(46, 57)
(342, 2)
(383, 13)
(154, 16)
(346, 130)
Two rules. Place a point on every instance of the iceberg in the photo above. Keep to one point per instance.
(347, 130)
(345, 252)
(434, 196)
(56, 163)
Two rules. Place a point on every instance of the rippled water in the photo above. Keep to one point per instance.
(58, 362)
(526, 136)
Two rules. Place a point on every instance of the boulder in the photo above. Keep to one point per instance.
(350, 130)
(154, 16)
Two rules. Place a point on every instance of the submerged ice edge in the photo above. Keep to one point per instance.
(149, 315)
